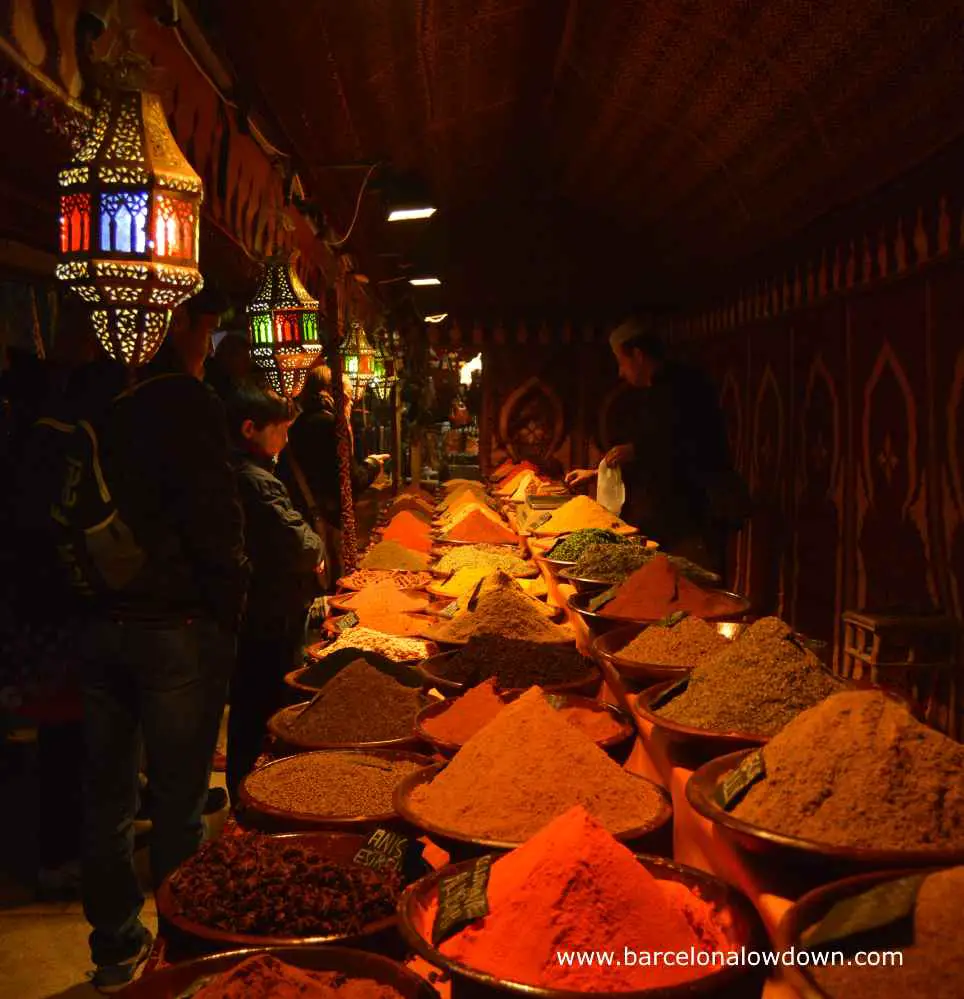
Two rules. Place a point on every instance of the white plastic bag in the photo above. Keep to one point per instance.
(610, 491)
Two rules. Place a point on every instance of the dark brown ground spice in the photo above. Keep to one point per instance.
(360, 704)
(515, 664)
(858, 770)
(932, 966)
(756, 684)
(509, 613)
(266, 886)
(688, 643)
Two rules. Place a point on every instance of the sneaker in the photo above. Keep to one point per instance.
(110, 978)
(217, 800)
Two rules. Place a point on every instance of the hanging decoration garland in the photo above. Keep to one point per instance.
(283, 326)
(349, 529)
(129, 219)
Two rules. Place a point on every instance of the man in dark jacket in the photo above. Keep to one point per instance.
(680, 483)
(286, 555)
(158, 654)
(313, 447)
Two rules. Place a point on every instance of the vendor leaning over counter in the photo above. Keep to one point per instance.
(681, 487)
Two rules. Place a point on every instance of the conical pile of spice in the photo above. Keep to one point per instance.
(477, 528)
(579, 514)
(460, 497)
(511, 482)
(484, 556)
(571, 546)
(365, 639)
(410, 531)
(265, 977)
(501, 580)
(573, 888)
(756, 684)
(933, 965)
(659, 589)
(359, 704)
(392, 555)
(523, 485)
(688, 643)
(463, 582)
(526, 767)
(858, 770)
(517, 665)
(503, 611)
(610, 563)
(384, 607)
(452, 517)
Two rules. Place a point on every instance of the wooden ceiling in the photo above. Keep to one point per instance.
(599, 153)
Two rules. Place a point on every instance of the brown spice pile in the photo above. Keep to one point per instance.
(333, 784)
(688, 643)
(508, 613)
(858, 770)
(359, 704)
(932, 966)
(527, 767)
(392, 555)
(390, 646)
(265, 977)
(757, 684)
(516, 665)
(484, 556)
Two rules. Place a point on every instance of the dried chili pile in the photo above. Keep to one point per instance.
(756, 684)
(392, 555)
(505, 612)
(689, 643)
(660, 589)
(267, 886)
(858, 770)
(484, 556)
(515, 664)
(933, 965)
(572, 887)
(525, 768)
(359, 704)
(266, 977)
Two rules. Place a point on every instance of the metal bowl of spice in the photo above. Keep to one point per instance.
(599, 623)
(924, 914)
(605, 724)
(182, 979)
(225, 896)
(832, 860)
(580, 584)
(729, 911)
(652, 837)
(342, 790)
(707, 742)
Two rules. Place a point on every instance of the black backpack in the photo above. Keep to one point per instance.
(66, 502)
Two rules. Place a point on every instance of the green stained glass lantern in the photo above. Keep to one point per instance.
(384, 377)
(283, 326)
(359, 359)
(129, 222)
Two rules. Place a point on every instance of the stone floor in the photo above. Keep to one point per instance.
(43, 945)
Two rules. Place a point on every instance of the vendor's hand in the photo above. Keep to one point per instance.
(622, 454)
(580, 475)
(380, 458)
(321, 568)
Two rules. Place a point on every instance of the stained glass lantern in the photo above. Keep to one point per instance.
(359, 359)
(283, 326)
(129, 220)
(384, 376)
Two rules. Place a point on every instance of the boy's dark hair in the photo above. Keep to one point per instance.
(261, 407)
(209, 301)
(650, 343)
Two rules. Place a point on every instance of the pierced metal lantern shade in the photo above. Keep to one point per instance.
(129, 222)
(359, 359)
(283, 326)
(384, 377)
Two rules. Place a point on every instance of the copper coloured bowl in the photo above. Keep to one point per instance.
(174, 980)
(744, 929)
(289, 742)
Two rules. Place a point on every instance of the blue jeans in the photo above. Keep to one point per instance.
(161, 687)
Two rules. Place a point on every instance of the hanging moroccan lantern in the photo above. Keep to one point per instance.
(384, 377)
(129, 221)
(359, 359)
(283, 326)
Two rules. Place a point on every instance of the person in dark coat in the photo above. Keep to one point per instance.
(313, 448)
(681, 487)
(158, 653)
(286, 556)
